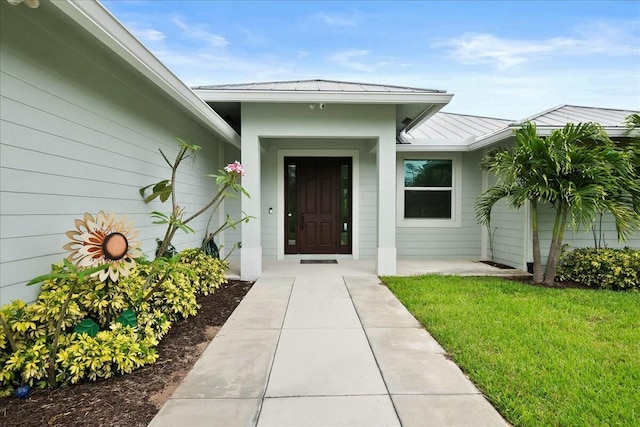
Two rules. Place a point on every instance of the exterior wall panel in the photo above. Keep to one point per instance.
(448, 242)
(80, 132)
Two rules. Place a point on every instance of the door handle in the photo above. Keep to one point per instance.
(302, 221)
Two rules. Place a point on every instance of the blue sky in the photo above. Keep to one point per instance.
(501, 59)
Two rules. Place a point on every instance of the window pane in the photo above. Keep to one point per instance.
(427, 173)
(427, 204)
(345, 175)
(292, 203)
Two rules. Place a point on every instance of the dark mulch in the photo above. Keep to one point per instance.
(133, 399)
(565, 284)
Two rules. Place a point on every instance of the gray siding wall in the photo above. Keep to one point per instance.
(462, 242)
(509, 230)
(80, 133)
(581, 238)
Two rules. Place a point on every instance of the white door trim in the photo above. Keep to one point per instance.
(355, 192)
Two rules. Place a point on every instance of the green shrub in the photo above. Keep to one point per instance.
(617, 269)
(209, 270)
(151, 296)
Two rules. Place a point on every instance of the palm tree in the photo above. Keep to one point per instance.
(578, 170)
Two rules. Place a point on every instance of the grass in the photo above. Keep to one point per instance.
(543, 357)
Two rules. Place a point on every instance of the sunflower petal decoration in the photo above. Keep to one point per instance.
(104, 240)
(31, 3)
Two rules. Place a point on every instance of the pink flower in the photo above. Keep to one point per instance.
(235, 167)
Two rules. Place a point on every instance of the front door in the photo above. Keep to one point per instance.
(318, 205)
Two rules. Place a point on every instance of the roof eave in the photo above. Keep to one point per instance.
(99, 22)
(341, 97)
(506, 132)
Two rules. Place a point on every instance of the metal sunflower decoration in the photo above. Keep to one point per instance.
(104, 240)
(31, 3)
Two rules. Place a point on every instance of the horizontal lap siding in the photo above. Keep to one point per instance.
(448, 242)
(581, 238)
(80, 133)
(368, 203)
(508, 229)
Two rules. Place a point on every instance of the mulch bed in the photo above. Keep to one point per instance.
(133, 399)
(565, 284)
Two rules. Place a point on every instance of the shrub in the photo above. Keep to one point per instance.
(617, 269)
(130, 315)
(209, 270)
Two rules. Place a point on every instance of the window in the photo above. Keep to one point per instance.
(427, 193)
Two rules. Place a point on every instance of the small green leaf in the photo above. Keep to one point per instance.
(127, 318)
(87, 326)
(45, 277)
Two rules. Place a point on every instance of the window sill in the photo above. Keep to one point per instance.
(429, 223)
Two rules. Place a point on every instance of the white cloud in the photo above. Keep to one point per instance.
(603, 39)
(302, 54)
(359, 60)
(201, 33)
(337, 21)
(148, 34)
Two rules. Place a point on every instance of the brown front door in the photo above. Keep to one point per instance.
(318, 205)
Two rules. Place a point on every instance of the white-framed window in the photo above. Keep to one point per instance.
(429, 193)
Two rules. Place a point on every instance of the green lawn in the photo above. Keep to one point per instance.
(543, 357)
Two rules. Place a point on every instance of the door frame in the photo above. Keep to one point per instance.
(354, 154)
(336, 202)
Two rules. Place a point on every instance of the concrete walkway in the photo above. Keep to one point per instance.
(324, 351)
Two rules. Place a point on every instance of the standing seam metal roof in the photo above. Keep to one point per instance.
(561, 115)
(456, 126)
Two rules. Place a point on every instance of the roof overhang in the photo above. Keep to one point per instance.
(100, 23)
(507, 132)
(416, 107)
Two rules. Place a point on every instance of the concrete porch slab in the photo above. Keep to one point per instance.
(446, 411)
(319, 287)
(259, 313)
(334, 411)
(271, 287)
(381, 313)
(208, 413)
(235, 365)
(412, 363)
(321, 313)
(324, 362)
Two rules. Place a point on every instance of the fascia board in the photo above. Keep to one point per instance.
(502, 134)
(98, 21)
(456, 147)
(492, 138)
(333, 97)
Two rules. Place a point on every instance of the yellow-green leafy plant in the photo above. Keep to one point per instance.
(209, 271)
(617, 269)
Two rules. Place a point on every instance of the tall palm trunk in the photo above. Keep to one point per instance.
(556, 244)
(537, 259)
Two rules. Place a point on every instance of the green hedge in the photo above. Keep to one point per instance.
(617, 269)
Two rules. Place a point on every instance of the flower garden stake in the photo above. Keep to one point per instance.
(104, 240)
(100, 246)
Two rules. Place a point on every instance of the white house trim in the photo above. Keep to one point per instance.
(355, 202)
(338, 97)
(94, 18)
